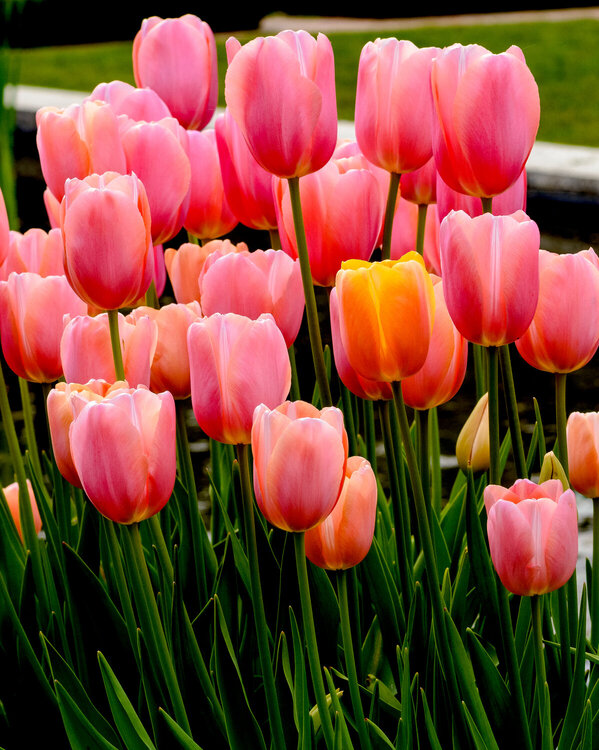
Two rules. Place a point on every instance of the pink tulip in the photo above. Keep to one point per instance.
(11, 493)
(248, 187)
(420, 186)
(136, 103)
(342, 216)
(533, 535)
(344, 538)
(31, 314)
(300, 457)
(86, 351)
(511, 200)
(124, 452)
(208, 215)
(148, 147)
(60, 417)
(252, 283)
(443, 372)
(583, 452)
(281, 92)
(490, 270)
(106, 227)
(35, 251)
(564, 333)
(394, 106)
(176, 57)
(236, 363)
(487, 117)
(170, 365)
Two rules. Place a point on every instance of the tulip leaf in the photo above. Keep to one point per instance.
(127, 721)
(81, 732)
(576, 702)
(380, 741)
(453, 520)
(384, 596)
(301, 704)
(179, 734)
(341, 729)
(431, 730)
(406, 719)
(479, 742)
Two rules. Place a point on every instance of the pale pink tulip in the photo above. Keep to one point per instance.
(136, 103)
(35, 251)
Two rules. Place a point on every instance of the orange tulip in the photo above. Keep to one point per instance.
(11, 493)
(583, 452)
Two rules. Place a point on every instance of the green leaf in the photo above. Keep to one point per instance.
(430, 724)
(127, 721)
(81, 732)
(378, 737)
(301, 705)
(178, 733)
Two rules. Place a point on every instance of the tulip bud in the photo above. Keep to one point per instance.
(472, 446)
(552, 469)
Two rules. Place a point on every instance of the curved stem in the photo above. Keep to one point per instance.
(544, 708)
(493, 385)
(115, 340)
(512, 410)
(272, 701)
(421, 226)
(390, 214)
(311, 309)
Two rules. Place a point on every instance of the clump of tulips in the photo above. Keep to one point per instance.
(314, 578)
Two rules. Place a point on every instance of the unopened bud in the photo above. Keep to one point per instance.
(552, 469)
(472, 447)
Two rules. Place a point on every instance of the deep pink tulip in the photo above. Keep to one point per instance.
(583, 452)
(148, 147)
(136, 103)
(248, 187)
(170, 364)
(281, 92)
(300, 458)
(490, 270)
(209, 214)
(31, 322)
(342, 217)
(511, 200)
(124, 452)
(86, 351)
(533, 535)
(35, 251)
(394, 106)
(252, 283)
(11, 493)
(443, 372)
(176, 57)
(487, 117)
(343, 539)
(106, 227)
(236, 363)
(564, 333)
(60, 417)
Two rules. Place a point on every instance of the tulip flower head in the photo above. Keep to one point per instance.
(11, 493)
(472, 447)
(582, 432)
(533, 535)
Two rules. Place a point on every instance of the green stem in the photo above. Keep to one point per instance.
(394, 178)
(29, 427)
(595, 580)
(436, 480)
(544, 708)
(480, 373)
(512, 411)
(423, 453)
(152, 296)
(561, 419)
(310, 297)
(272, 701)
(311, 642)
(115, 340)
(160, 542)
(421, 226)
(275, 239)
(295, 386)
(350, 661)
(370, 434)
(493, 384)
(348, 418)
(487, 205)
(121, 583)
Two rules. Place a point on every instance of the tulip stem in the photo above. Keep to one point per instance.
(542, 694)
(320, 369)
(121, 583)
(595, 579)
(272, 701)
(275, 239)
(311, 641)
(392, 194)
(561, 419)
(422, 209)
(115, 340)
(295, 386)
(423, 453)
(493, 386)
(350, 661)
(512, 411)
(487, 205)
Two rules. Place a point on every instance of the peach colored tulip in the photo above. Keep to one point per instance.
(31, 322)
(583, 452)
(170, 364)
(342, 217)
(86, 351)
(472, 448)
(176, 57)
(372, 390)
(564, 333)
(533, 535)
(136, 103)
(209, 214)
(511, 200)
(405, 229)
(148, 147)
(185, 264)
(443, 372)
(394, 106)
(52, 206)
(248, 187)
(343, 539)
(487, 117)
(252, 283)
(124, 452)
(236, 363)
(106, 227)
(35, 251)
(60, 417)
(281, 92)
(11, 493)
(300, 458)
(385, 316)
(490, 270)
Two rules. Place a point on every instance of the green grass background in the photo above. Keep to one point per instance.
(561, 55)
